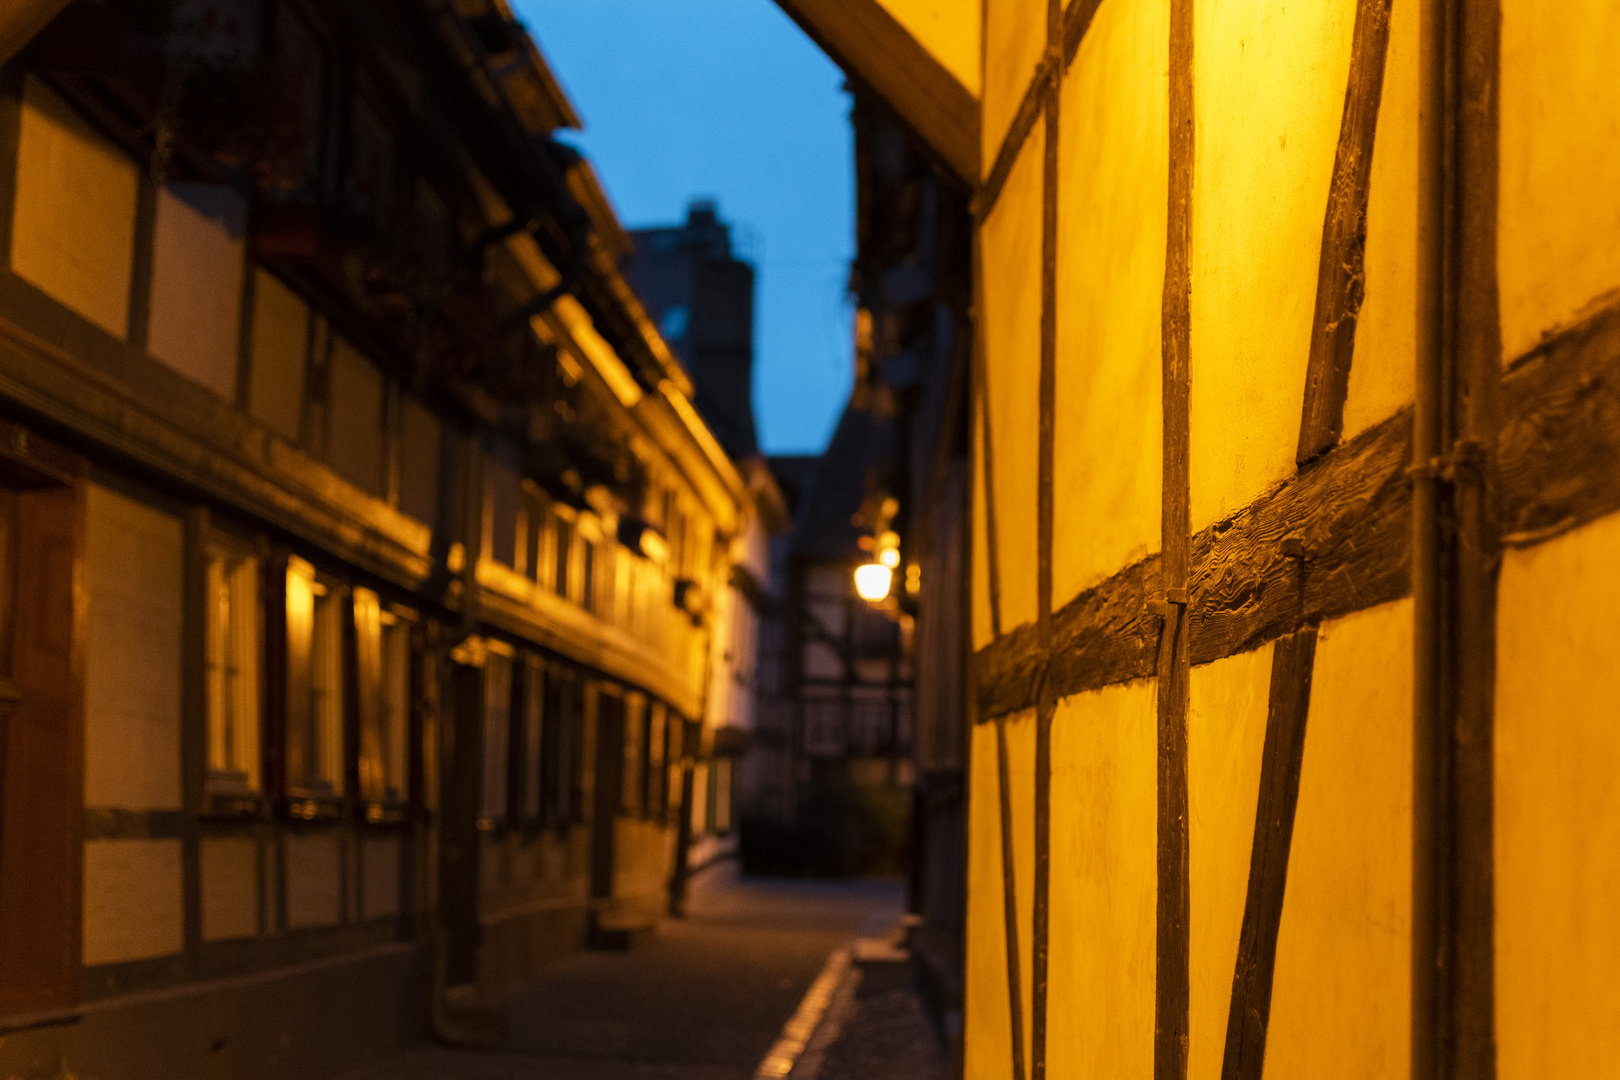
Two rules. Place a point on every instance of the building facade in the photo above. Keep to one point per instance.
(1293, 439)
(700, 293)
(361, 538)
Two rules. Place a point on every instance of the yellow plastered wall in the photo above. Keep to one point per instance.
(1341, 995)
(1269, 89)
(1558, 221)
(73, 233)
(132, 906)
(987, 1021)
(948, 29)
(197, 268)
(1112, 192)
(229, 868)
(1011, 254)
(1226, 735)
(1014, 40)
(132, 691)
(1104, 856)
(1385, 359)
(1557, 760)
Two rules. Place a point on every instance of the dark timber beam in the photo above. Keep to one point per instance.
(20, 20)
(1335, 538)
(874, 49)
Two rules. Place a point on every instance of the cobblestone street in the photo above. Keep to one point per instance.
(704, 1000)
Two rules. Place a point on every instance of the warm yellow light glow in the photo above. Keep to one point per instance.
(889, 557)
(872, 581)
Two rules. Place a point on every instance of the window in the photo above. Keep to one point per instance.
(497, 732)
(232, 667)
(633, 785)
(534, 740)
(371, 162)
(657, 774)
(587, 576)
(382, 670)
(301, 66)
(314, 684)
(565, 546)
(396, 706)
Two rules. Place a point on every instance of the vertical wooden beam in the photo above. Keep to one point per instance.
(1474, 421)
(986, 452)
(1457, 542)
(1340, 279)
(1046, 701)
(193, 719)
(1291, 664)
(1009, 899)
(1171, 986)
(1434, 229)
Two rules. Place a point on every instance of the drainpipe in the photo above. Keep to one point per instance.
(1430, 445)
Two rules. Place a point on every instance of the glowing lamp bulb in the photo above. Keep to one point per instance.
(872, 581)
(889, 557)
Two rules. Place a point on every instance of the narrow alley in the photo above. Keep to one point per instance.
(809, 539)
(704, 1000)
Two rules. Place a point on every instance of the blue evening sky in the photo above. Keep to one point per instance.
(728, 99)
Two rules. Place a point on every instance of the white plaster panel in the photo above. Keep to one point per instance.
(229, 869)
(197, 266)
(132, 691)
(73, 229)
(132, 900)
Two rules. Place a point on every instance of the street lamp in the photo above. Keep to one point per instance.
(872, 581)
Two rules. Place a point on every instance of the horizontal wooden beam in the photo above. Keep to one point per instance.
(874, 49)
(1333, 539)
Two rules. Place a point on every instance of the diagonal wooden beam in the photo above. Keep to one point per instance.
(1340, 280)
(1009, 902)
(1284, 752)
(874, 49)
(20, 20)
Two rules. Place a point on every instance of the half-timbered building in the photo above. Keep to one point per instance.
(1294, 525)
(359, 539)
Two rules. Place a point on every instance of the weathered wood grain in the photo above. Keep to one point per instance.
(1558, 449)
(1283, 754)
(1335, 538)
(1009, 903)
(1329, 541)
(1340, 280)
(1040, 917)
(1173, 905)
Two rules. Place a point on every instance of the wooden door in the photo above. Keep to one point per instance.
(41, 742)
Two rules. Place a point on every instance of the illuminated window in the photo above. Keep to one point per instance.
(232, 668)
(314, 683)
(564, 548)
(382, 674)
(396, 704)
(497, 732)
(326, 694)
